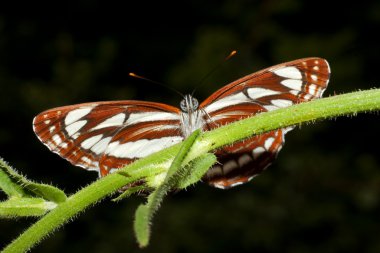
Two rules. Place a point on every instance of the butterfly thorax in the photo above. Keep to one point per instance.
(191, 116)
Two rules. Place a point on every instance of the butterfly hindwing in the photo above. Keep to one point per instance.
(270, 89)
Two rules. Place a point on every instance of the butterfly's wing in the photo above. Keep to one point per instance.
(108, 135)
(269, 89)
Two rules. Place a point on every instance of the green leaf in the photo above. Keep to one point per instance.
(141, 225)
(8, 183)
(197, 168)
(23, 207)
(46, 191)
(129, 192)
(179, 179)
(15, 185)
(144, 213)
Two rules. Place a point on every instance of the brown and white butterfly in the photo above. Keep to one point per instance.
(105, 136)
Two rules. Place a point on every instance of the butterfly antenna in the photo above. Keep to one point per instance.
(234, 52)
(155, 82)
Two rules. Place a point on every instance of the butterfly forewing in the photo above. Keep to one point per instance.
(105, 136)
(108, 135)
(272, 88)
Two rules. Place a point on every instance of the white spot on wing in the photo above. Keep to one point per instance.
(307, 96)
(47, 121)
(75, 127)
(268, 143)
(101, 146)
(220, 186)
(257, 152)
(63, 145)
(294, 92)
(141, 148)
(217, 117)
(288, 72)
(270, 107)
(88, 143)
(50, 145)
(112, 170)
(281, 102)
(74, 115)
(244, 159)
(230, 166)
(74, 136)
(312, 89)
(292, 84)
(252, 177)
(56, 139)
(86, 159)
(236, 184)
(51, 129)
(256, 93)
(227, 101)
(314, 77)
(135, 118)
(116, 120)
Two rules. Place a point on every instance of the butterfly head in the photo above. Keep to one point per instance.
(189, 104)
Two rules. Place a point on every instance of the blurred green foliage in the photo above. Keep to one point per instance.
(321, 195)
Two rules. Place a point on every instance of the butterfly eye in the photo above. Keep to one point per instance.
(194, 103)
(189, 104)
(182, 105)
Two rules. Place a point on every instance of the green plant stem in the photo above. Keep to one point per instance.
(347, 104)
(325, 108)
(65, 211)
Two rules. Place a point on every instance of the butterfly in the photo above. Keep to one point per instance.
(106, 136)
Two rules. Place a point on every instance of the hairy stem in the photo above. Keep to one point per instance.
(66, 211)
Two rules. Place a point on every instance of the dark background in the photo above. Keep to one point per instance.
(321, 195)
